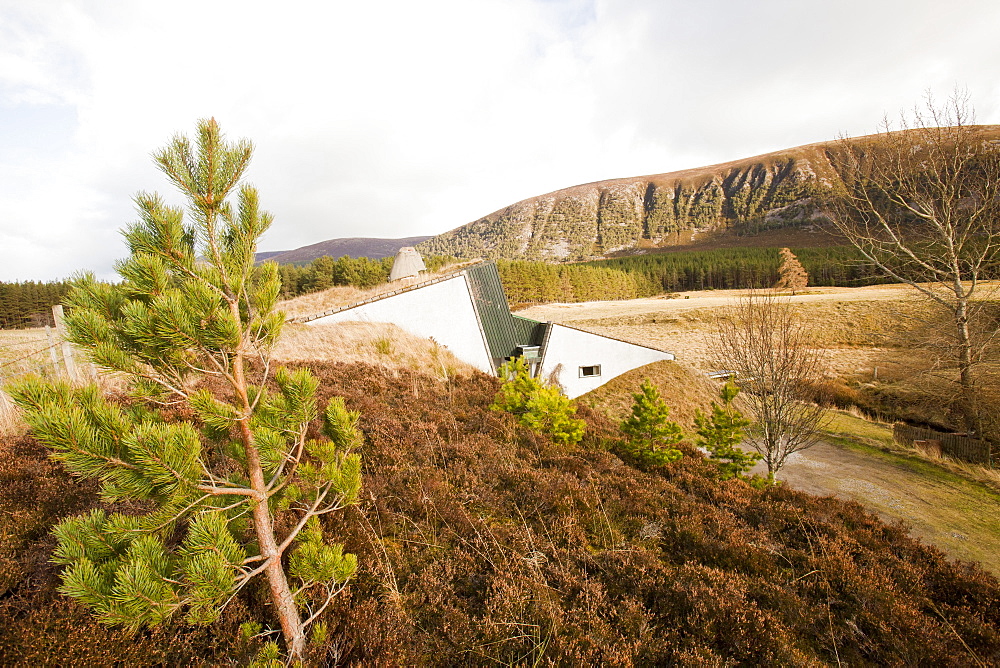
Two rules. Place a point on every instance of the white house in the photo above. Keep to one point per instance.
(467, 312)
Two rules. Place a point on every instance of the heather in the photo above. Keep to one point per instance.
(482, 542)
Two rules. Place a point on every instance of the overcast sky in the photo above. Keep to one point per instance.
(402, 117)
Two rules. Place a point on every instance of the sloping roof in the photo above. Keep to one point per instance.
(504, 333)
(380, 296)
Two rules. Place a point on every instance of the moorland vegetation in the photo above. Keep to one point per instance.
(481, 541)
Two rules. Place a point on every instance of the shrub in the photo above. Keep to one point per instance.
(722, 432)
(478, 547)
(651, 435)
(542, 409)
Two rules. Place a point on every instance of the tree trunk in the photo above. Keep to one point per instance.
(967, 386)
(281, 594)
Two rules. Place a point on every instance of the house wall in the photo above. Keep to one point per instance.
(568, 349)
(442, 311)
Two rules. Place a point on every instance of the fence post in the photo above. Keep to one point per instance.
(67, 349)
(53, 355)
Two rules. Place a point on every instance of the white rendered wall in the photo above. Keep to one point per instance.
(442, 311)
(573, 349)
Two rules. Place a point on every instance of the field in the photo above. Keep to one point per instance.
(23, 350)
(868, 322)
(868, 336)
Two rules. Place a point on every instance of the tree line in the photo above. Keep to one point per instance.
(539, 282)
(740, 268)
(679, 271)
(327, 272)
(29, 303)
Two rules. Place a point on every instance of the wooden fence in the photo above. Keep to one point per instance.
(45, 352)
(936, 442)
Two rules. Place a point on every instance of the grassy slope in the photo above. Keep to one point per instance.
(481, 543)
(942, 501)
(684, 390)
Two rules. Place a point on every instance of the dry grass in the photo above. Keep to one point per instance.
(338, 296)
(11, 423)
(24, 351)
(682, 388)
(851, 424)
(858, 335)
(382, 344)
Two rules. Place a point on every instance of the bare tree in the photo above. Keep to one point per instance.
(922, 203)
(770, 351)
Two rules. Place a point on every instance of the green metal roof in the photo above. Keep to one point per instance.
(504, 331)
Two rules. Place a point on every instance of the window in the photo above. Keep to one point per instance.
(589, 371)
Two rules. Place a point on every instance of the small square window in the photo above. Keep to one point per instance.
(589, 371)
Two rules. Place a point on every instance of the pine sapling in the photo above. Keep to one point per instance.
(545, 410)
(192, 303)
(721, 433)
(651, 434)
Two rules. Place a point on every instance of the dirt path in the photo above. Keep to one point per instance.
(957, 516)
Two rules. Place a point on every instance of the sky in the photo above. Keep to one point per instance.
(402, 118)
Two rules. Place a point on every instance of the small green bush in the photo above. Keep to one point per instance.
(542, 409)
(721, 433)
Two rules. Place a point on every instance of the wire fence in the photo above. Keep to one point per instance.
(43, 352)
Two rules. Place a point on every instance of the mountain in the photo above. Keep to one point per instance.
(268, 255)
(775, 191)
(353, 247)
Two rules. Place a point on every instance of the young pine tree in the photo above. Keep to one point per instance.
(651, 435)
(192, 304)
(545, 410)
(721, 433)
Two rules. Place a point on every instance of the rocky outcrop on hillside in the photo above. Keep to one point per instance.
(624, 216)
(597, 219)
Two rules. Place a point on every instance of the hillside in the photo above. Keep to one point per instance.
(710, 205)
(352, 247)
(480, 543)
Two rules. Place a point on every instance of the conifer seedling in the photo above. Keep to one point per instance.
(721, 433)
(651, 433)
(191, 324)
(542, 409)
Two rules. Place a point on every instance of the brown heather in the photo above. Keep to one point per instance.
(482, 543)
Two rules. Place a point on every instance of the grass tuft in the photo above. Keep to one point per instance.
(383, 344)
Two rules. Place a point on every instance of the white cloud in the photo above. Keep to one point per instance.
(402, 118)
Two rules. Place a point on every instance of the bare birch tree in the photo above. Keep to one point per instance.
(771, 353)
(923, 204)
